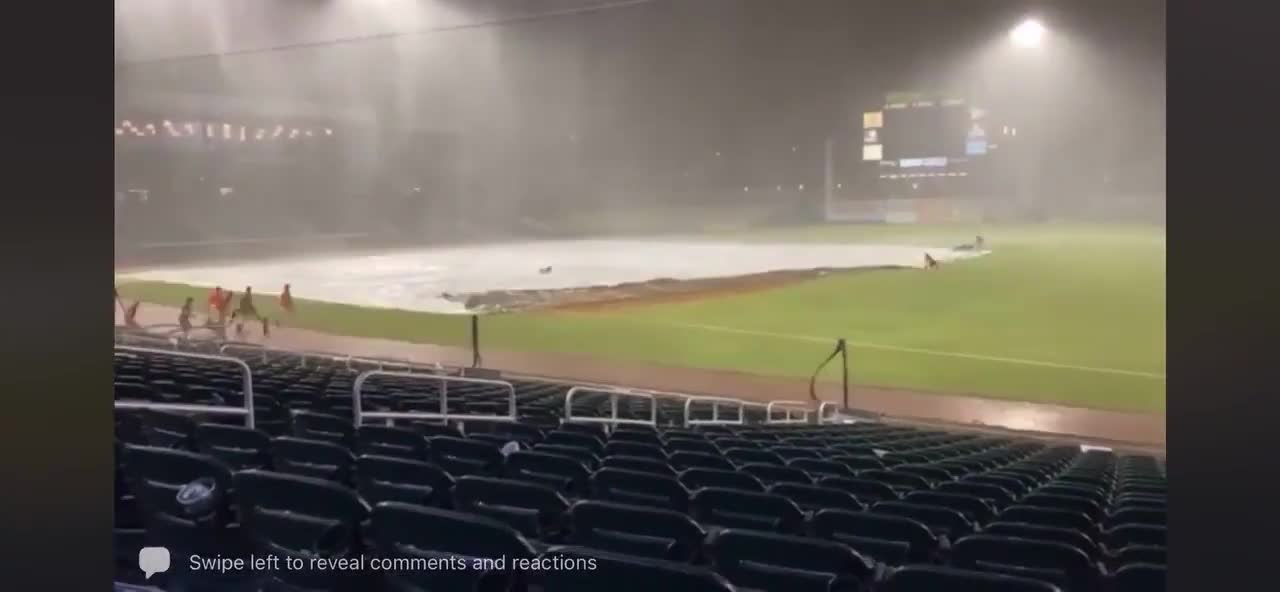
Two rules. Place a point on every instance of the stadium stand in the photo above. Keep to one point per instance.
(263, 454)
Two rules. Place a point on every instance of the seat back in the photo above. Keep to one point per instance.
(312, 458)
(625, 573)
(1062, 564)
(943, 521)
(895, 540)
(635, 487)
(389, 478)
(635, 530)
(865, 490)
(698, 478)
(1139, 577)
(742, 456)
(237, 446)
(299, 517)
(626, 448)
(391, 441)
(768, 561)
(770, 474)
(931, 578)
(642, 464)
(734, 508)
(460, 456)
(565, 475)
(533, 510)
(690, 460)
(819, 467)
(812, 498)
(416, 532)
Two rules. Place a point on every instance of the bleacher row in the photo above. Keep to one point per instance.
(824, 507)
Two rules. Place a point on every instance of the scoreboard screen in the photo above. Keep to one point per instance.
(914, 126)
(925, 131)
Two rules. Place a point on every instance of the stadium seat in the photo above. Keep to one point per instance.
(1061, 564)
(299, 517)
(391, 441)
(687, 460)
(742, 456)
(1139, 577)
(1141, 554)
(995, 495)
(793, 452)
(674, 445)
(770, 474)
(389, 478)
(641, 464)
(975, 509)
(237, 446)
(635, 530)
(1124, 535)
(461, 457)
(635, 487)
(865, 490)
(697, 478)
(565, 475)
(1135, 515)
(943, 521)
(1072, 503)
(322, 426)
(936, 578)
(623, 448)
(625, 573)
(313, 458)
(401, 530)
(155, 476)
(1049, 517)
(565, 437)
(900, 482)
(734, 508)
(818, 468)
(1045, 533)
(757, 560)
(535, 511)
(812, 498)
(635, 436)
(893, 540)
(582, 455)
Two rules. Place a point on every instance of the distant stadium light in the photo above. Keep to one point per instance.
(839, 185)
(242, 133)
(915, 185)
(793, 148)
(208, 130)
(717, 154)
(119, 132)
(126, 123)
(1027, 35)
(800, 187)
(1013, 131)
(746, 189)
(279, 130)
(328, 132)
(309, 133)
(779, 188)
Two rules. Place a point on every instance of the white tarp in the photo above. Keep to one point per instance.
(416, 279)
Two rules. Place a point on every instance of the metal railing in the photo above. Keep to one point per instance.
(805, 407)
(359, 414)
(246, 385)
(822, 412)
(715, 410)
(614, 394)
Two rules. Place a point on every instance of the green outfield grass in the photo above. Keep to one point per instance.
(1065, 314)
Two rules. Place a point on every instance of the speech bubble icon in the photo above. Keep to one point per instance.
(153, 560)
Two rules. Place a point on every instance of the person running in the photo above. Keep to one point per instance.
(930, 262)
(246, 310)
(215, 301)
(184, 317)
(286, 304)
(131, 315)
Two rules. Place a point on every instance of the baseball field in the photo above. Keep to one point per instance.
(1066, 314)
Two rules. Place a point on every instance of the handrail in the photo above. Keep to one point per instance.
(246, 386)
(613, 418)
(715, 410)
(359, 414)
(822, 411)
(788, 406)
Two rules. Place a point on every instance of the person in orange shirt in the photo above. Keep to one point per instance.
(215, 301)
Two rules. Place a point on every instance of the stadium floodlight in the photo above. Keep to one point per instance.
(1027, 35)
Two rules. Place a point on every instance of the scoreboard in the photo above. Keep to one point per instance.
(916, 126)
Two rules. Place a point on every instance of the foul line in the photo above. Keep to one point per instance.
(911, 350)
